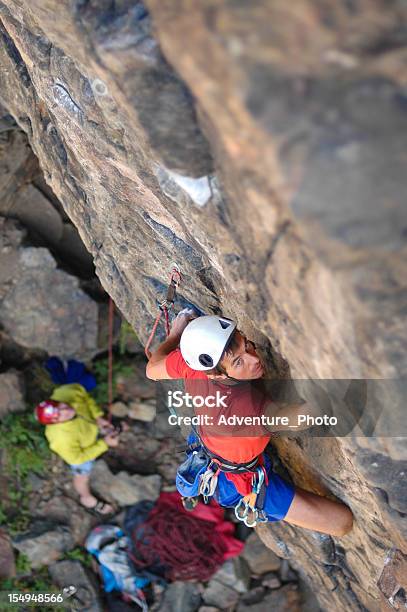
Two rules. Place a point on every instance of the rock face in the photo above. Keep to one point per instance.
(42, 548)
(260, 146)
(11, 393)
(45, 308)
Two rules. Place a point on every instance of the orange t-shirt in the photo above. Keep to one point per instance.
(237, 442)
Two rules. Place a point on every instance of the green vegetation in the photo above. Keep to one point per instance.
(79, 554)
(28, 580)
(126, 331)
(24, 450)
(41, 380)
(100, 370)
(23, 565)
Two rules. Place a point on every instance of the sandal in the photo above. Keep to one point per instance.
(98, 509)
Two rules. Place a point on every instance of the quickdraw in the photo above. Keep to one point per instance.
(209, 481)
(246, 510)
(165, 305)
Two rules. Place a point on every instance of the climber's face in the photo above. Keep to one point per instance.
(241, 361)
(65, 413)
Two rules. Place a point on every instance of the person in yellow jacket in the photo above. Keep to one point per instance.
(77, 432)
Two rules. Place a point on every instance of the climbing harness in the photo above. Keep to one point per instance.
(199, 473)
(165, 305)
(246, 510)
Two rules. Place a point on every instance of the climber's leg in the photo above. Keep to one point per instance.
(278, 498)
(319, 514)
(81, 474)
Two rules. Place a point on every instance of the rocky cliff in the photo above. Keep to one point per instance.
(261, 146)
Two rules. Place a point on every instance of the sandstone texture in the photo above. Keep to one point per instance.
(261, 146)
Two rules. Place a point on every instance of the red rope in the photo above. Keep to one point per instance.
(150, 339)
(110, 359)
(185, 546)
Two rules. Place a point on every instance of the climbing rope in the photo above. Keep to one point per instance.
(110, 360)
(165, 306)
(188, 551)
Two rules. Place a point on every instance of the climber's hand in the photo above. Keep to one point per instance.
(181, 321)
(112, 440)
(102, 423)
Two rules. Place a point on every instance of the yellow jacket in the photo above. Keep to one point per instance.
(76, 440)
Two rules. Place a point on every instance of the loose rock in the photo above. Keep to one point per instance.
(259, 558)
(67, 573)
(45, 548)
(220, 595)
(285, 599)
(61, 509)
(179, 596)
(253, 596)
(44, 308)
(234, 573)
(143, 411)
(119, 409)
(122, 488)
(271, 581)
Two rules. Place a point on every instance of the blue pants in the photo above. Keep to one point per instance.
(278, 498)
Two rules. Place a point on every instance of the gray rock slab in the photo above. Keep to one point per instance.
(220, 595)
(45, 308)
(285, 599)
(179, 596)
(234, 573)
(37, 214)
(259, 558)
(122, 488)
(45, 548)
(66, 573)
(66, 511)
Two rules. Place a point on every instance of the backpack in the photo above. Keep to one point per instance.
(109, 545)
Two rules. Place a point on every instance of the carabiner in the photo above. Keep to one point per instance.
(243, 512)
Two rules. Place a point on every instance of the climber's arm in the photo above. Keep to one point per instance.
(156, 368)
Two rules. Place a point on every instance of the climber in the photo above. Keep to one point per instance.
(77, 432)
(210, 352)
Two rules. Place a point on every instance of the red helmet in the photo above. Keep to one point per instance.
(46, 412)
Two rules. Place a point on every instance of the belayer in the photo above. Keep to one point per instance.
(78, 433)
(210, 354)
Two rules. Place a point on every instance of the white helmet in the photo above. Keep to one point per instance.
(204, 340)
